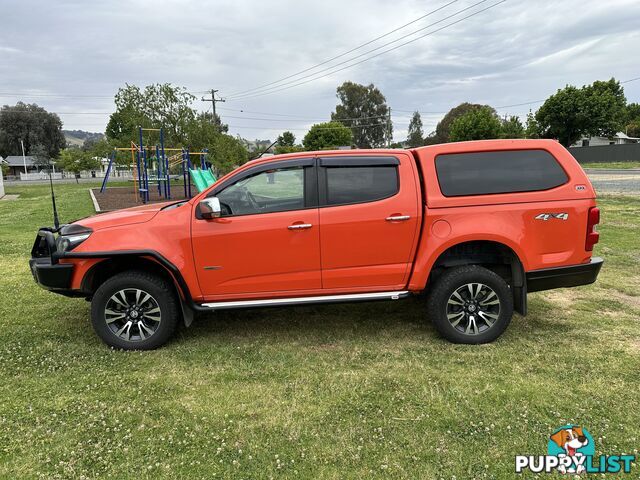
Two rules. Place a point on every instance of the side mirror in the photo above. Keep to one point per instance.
(210, 208)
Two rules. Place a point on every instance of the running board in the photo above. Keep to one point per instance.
(276, 302)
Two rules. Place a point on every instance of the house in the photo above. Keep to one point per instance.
(16, 164)
(618, 139)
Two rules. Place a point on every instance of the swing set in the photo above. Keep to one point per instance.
(154, 159)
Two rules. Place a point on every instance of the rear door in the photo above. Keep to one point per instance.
(369, 216)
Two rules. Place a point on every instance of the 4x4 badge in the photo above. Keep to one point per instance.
(547, 216)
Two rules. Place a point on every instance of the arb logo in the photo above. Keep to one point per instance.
(571, 449)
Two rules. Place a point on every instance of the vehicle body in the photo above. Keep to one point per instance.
(464, 222)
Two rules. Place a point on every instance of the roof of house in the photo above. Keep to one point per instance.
(18, 161)
(625, 136)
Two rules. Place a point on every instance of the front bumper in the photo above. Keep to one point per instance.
(561, 277)
(44, 266)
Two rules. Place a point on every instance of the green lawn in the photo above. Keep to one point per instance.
(612, 165)
(345, 391)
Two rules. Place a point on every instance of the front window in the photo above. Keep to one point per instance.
(276, 190)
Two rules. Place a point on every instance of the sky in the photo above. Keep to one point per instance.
(71, 56)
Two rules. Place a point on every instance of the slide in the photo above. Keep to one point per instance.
(202, 179)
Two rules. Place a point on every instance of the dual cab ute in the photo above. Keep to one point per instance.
(475, 225)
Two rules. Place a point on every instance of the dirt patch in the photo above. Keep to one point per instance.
(115, 198)
(628, 299)
(564, 298)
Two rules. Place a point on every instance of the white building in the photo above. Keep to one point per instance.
(618, 139)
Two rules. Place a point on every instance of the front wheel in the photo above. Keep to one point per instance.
(134, 311)
(470, 304)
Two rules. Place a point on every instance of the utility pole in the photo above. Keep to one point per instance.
(24, 158)
(213, 101)
(389, 131)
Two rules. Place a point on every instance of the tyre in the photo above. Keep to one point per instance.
(135, 311)
(470, 304)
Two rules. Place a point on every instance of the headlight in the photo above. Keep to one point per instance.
(71, 236)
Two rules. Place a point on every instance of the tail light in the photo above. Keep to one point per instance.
(592, 233)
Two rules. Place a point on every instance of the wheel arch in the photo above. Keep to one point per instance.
(118, 263)
(492, 254)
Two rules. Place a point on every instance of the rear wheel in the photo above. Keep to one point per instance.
(470, 304)
(134, 311)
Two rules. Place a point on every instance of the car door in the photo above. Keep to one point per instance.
(267, 239)
(369, 216)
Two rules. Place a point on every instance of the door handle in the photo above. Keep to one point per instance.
(299, 226)
(398, 218)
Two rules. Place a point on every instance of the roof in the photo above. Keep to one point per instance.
(18, 161)
(625, 136)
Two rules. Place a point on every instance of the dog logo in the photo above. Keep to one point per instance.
(574, 442)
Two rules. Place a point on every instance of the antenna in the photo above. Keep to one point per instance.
(56, 222)
(265, 150)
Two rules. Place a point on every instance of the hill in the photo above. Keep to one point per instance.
(77, 137)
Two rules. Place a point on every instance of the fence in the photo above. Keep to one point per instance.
(43, 175)
(607, 153)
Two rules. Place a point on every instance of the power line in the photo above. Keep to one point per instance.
(378, 54)
(313, 67)
(51, 95)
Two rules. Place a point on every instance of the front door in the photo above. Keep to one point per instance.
(267, 239)
(369, 216)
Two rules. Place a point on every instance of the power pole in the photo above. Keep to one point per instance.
(213, 101)
(389, 131)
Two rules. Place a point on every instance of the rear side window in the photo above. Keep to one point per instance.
(510, 171)
(360, 184)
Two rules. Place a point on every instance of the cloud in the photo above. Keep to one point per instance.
(515, 52)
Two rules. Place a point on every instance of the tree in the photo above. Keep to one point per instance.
(227, 153)
(444, 125)
(477, 124)
(34, 126)
(158, 105)
(415, 137)
(364, 110)
(532, 128)
(632, 120)
(41, 158)
(596, 109)
(76, 160)
(633, 129)
(511, 127)
(323, 136)
(287, 139)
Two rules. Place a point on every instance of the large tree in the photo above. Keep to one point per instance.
(477, 124)
(327, 135)
(596, 109)
(287, 139)
(632, 120)
(155, 106)
(511, 127)
(444, 125)
(415, 137)
(34, 126)
(227, 153)
(364, 110)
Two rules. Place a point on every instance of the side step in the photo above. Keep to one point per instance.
(276, 302)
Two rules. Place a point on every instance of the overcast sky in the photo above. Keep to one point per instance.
(71, 56)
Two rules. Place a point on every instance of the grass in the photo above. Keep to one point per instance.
(611, 165)
(344, 391)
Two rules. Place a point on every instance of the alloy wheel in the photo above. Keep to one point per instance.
(132, 314)
(473, 308)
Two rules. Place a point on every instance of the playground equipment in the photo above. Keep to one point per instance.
(153, 158)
